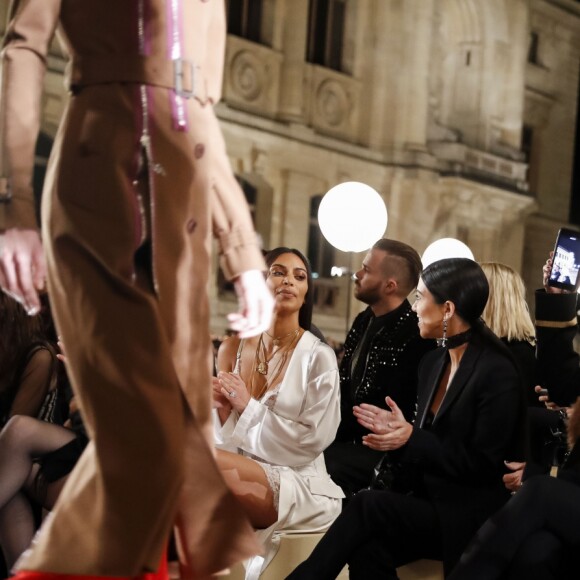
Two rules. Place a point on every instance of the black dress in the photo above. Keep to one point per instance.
(61, 461)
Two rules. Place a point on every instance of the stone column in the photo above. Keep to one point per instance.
(399, 86)
(514, 88)
(413, 84)
(293, 93)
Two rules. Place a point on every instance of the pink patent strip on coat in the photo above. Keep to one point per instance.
(144, 27)
(175, 50)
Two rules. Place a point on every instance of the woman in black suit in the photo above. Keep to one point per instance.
(536, 535)
(470, 419)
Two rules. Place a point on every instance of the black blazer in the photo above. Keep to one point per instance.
(481, 423)
(558, 362)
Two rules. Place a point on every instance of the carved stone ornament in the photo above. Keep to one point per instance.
(332, 103)
(247, 75)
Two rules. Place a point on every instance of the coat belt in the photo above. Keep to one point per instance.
(181, 75)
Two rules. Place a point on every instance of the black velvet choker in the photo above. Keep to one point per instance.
(455, 340)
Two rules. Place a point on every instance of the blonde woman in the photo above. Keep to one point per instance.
(507, 315)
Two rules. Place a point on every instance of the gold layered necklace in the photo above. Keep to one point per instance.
(276, 340)
(261, 361)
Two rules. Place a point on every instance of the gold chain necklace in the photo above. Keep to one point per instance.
(277, 369)
(263, 361)
(276, 340)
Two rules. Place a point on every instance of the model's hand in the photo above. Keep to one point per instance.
(390, 429)
(22, 267)
(513, 480)
(233, 388)
(256, 305)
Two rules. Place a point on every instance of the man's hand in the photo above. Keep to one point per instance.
(256, 305)
(22, 267)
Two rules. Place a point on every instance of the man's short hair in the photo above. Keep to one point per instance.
(403, 263)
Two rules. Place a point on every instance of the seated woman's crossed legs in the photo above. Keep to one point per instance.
(249, 483)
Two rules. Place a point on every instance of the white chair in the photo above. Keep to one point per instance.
(421, 570)
(295, 548)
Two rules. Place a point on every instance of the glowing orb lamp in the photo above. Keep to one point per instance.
(445, 248)
(352, 216)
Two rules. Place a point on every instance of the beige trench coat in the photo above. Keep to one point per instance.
(137, 181)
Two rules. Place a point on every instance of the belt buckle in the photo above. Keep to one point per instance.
(180, 67)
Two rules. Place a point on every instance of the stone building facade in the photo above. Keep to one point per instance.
(461, 113)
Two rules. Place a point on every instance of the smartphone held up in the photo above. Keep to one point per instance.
(566, 261)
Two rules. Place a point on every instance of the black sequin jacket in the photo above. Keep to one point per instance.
(390, 369)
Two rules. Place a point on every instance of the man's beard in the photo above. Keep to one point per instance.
(368, 296)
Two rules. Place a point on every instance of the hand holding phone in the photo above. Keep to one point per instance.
(565, 262)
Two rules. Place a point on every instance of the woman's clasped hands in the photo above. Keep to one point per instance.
(230, 392)
(389, 429)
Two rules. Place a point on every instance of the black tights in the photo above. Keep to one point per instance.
(23, 440)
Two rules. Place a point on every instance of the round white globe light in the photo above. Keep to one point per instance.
(445, 248)
(352, 216)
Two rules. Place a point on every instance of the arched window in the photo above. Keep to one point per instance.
(251, 193)
(534, 48)
(320, 252)
(326, 33)
(245, 19)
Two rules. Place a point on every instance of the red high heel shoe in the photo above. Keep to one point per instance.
(162, 572)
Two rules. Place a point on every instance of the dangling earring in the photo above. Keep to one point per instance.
(443, 341)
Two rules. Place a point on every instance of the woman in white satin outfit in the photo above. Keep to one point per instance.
(278, 407)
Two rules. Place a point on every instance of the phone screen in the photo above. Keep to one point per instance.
(566, 261)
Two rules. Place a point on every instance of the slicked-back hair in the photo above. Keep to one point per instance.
(407, 261)
(305, 314)
(461, 281)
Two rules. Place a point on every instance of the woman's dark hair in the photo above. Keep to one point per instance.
(19, 332)
(20, 336)
(305, 314)
(463, 282)
(460, 280)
